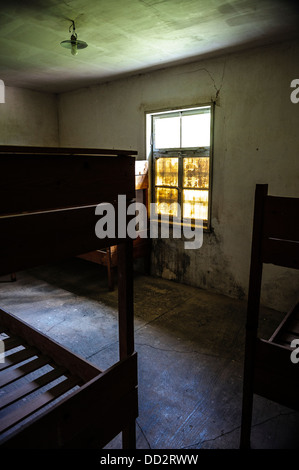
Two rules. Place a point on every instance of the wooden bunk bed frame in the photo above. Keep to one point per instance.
(141, 245)
(268, 369)
(47, 213)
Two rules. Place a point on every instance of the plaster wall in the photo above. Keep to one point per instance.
(28, 118)
(256, 140)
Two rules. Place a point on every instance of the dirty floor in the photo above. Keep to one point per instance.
(190, 352)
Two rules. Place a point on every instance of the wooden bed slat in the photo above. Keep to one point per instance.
(18, 357)
(32, 386)
(36, 404)
(11, 343)
(61, 355)
(115, 390)
(11, 375)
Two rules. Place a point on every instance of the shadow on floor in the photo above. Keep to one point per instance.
(190, 352)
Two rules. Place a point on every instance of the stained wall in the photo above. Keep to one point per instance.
(256, 140)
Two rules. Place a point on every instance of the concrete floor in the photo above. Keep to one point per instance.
(190, 347)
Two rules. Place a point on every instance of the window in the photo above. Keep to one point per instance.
(181, 163)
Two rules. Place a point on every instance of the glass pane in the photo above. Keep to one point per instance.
(167, 132)
(195, 204)
(166, 201)
(196, 172)
(167, 171)
(196, 130)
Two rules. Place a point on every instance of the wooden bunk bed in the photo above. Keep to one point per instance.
(268, 368)
(47, 212)
(142, 244)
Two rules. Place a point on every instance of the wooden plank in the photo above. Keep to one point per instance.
(68, 181)
(12, 375)
(100, 256)
(108, 396)
(61, 355)
(48, 237)
(15, 149)
(281, 218)
(10, 419)
(12, 343)
(116, 419)
(28, 387)
(141, 247)
(18, 357)
(281, 252)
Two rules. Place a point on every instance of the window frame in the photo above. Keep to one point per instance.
(181, 153)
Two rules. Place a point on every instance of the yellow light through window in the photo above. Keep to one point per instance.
(196, 173)
(167, 171)
(195, 204)
(166, 201)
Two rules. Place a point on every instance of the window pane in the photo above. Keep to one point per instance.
(166, 201)
(167, 132)
(196, 172)
(167, 171)
(195, 204)
(196, 130)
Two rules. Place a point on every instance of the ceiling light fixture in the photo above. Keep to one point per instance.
(74, 44)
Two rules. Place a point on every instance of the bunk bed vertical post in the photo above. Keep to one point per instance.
(109, 268)
(125, 298)
(126, 321)
(254, 292)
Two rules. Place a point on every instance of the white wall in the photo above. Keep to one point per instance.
(28, 118)
(256, 141)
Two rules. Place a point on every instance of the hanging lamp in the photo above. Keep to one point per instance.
(73, 44)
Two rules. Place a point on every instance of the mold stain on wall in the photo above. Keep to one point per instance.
(206, 267)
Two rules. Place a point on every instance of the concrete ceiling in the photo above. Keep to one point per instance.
(128, 36)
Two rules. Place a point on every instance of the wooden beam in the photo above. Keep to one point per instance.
(16, 149)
